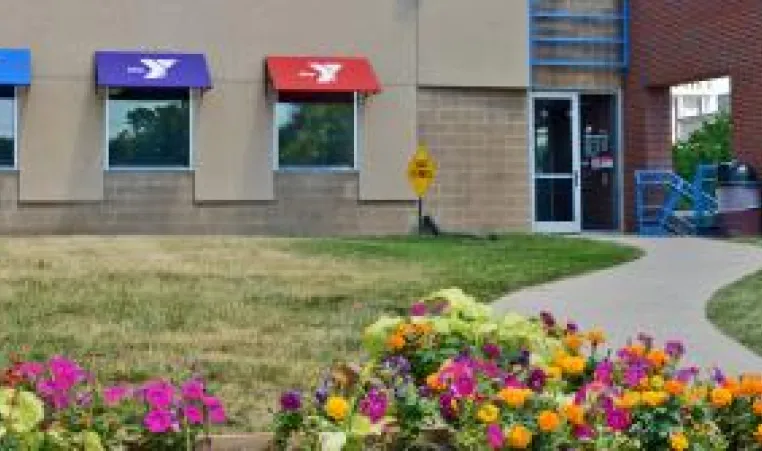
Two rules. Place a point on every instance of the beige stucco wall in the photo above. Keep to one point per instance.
(475, 43)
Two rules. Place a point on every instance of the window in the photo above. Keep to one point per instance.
(7, 127)
(149, 128)
(316, 132)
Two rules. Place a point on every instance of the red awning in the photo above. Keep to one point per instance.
(322, 74)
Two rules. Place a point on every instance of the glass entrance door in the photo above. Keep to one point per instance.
(556, 161)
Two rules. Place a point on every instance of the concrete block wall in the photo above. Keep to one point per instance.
(479, 140)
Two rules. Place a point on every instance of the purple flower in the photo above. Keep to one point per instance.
(572, 328)
(374, 405)
(618, 419)
(84, 399)
(397, 363)
(440, 307)
(547, 319)
(718, 376)
(647, 340)
(490, 369)
(584, 432)
(604, 371)
(537, 379)
(523, 358)
(45, 387)
(634, 374)
(158, 421)
(418, 309)
(193, 415)
(112, 396)
(291, 401)
(447, 406)
(321, 395)
(491, 350)
(674, 349)
(193, 389)
(684, 375)
(495, 436)
(159, 394)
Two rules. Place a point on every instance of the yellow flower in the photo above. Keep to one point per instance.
(519, 437)
(757, 408)
(655, 398)
(678, 441)
(573, 342)
(395, 342)
(674, 387)
(553, 372)
(721, 397)
(548, 421)
(657, 357)
(657, 382)
(758, 434)
(559, 357)
(596, 337)
(628, 400)
(337, 407)
(514, 397)
(424, 328)
(575, 414)
(697, 394)
(488, 413)
(573, 365)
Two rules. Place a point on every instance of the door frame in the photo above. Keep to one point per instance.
(574, 226)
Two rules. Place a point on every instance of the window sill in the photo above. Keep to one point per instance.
(149, 169)
(8, 169)
(317, 170)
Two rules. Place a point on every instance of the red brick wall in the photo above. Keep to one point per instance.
(677, 41)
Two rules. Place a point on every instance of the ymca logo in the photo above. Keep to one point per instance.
(154, 69)
(324, 73)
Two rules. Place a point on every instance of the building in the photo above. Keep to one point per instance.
(694, 103)
(299, 117)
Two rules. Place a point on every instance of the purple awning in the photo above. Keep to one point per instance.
(151, 70)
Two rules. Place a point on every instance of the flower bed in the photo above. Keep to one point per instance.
(58, 405)
(449, 373)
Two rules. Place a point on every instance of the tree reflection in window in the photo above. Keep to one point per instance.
(316, 134)
(7, 127)
(149, 128)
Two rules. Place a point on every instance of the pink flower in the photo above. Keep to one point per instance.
(65, 372)
(112, 396)
(418, 309)
(159, 394)
(31, 370)
(211, 401)
(217, 414)
(193, 389)
(495, 436)
(193, 414)
(158, 421)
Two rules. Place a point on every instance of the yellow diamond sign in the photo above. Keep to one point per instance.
(421, 171)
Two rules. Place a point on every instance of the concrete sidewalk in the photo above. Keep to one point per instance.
(663, 294)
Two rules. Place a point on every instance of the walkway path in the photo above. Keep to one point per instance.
(664, 294)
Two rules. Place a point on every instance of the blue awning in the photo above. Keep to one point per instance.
(15, 67)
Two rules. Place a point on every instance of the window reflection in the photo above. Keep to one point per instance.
(7, 127)
(313, 134)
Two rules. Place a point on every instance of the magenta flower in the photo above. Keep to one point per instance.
(211, 401)
(634, 374)
(446, 406)
(618, 419)
(291, 401)
(193, 389)
(113, 396)
(193, 414)
(584, 432)
(547, 319)
(31, 370)
(159, 394)
(217, 414)
(604, 371)
(418, 309)
(374, 405)
(65, 372)
(674, 349)
(491, 350)
(158, 421)
(495, 436)
(464, 385)
(537, 379)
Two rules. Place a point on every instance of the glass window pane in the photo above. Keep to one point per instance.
(315, 134)
(149, 129)
(7, 127)
(553, 140)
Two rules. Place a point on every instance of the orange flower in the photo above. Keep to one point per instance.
(573, 365)
(573, 342)
(674, 387)
(575, 414)
(519, 437)
(637, 349)
(758, 434)
(395, 342)
(424, 328)
(628, 400)
(597, 337)
(434, 382)
(751, 385)
(721, 397)
(657, 357)
(406, 329)
(757, 408)
(548, 421)
(514, 397)
(732, 385)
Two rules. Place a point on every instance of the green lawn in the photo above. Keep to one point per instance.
(259, 314)
(737, 309)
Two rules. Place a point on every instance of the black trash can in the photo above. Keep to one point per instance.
(738, 198)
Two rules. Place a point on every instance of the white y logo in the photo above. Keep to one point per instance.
(326, 73)
(157, 68)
